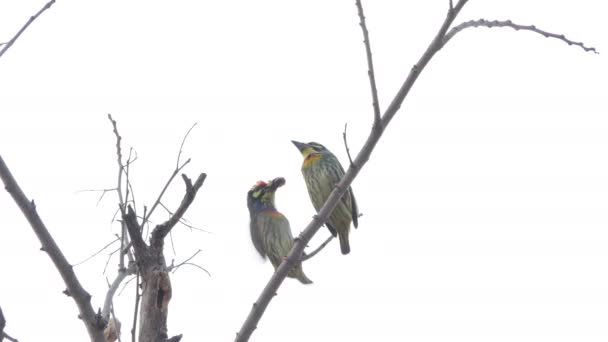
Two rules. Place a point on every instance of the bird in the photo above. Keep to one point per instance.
(322, 171)
(270, 230)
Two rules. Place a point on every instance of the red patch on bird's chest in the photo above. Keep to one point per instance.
(311, 159)
(272, 213)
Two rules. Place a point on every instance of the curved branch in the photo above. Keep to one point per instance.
(508, 23)
(320, 248)
(311, 229)
(92, 321)
(122, 274)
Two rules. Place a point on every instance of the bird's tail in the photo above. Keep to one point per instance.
(298, 273)
(344, 245)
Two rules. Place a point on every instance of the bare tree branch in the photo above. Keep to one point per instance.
(508, 23)
(134, 230)
(122, 274)
(173, 268)
(10, 43)
(159, 233)
(181, 147)
(184, 221)
(2, 324)
(370, 64)
(178, 168)
(92, 321)
(311, 229)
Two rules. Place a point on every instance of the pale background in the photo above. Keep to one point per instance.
(485, 203)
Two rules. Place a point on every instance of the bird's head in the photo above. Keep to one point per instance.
(311, 151)
(261, 195)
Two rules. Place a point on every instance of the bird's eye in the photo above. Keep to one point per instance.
(257, 194)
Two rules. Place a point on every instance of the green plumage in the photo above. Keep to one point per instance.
(270, 230)
(322, 171)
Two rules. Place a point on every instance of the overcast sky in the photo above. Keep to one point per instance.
(484, 205)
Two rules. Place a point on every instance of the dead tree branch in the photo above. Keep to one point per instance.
(10, 43)
(508, 23)
(2, 324)
(370, 63)
(178, 168)
(93, 322)
(122, 274)
(376, 132)
(159, 233)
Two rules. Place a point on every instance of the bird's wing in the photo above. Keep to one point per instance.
(350, 196)
(256, 236)
(277, 237)
(354, 209)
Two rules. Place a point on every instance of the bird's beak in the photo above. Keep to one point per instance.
(299, 145)
(277, 183)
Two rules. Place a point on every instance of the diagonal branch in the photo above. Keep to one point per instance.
(508, 23)
(159, 233)
(2, 323)
(139, 245)
(311, 229)
(82, 298)
(370, 64)
(28, 23)
(122, 274)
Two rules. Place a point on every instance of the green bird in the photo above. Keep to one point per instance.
(322, 171)
(270, 230)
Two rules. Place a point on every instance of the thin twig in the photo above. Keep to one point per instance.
(162, 193)
(10, 43)
(96, 253)
(184, 221)
(103, 192)
(121, 200)
(124, 286)
(320, 248)
(181, 147)
(508, 23)
(172, 243)
(173, 268)
(178, 168)
(197, 266)
(370, 64)
(8, 337)
(109, 258)
(346, 145)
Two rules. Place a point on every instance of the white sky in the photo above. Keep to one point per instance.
(484, 203)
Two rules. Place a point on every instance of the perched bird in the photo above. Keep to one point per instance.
(322, 171)
(270, 231)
